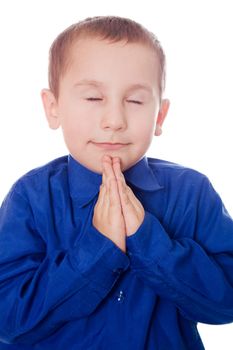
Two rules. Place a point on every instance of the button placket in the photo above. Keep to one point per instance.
(120, 296)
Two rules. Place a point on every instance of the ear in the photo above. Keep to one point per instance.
(161, 116)
(50, 107)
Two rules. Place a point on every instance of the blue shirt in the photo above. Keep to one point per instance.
(64, 285)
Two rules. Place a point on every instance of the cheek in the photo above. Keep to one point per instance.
(77, 131)
(145, 128)
(74, 119)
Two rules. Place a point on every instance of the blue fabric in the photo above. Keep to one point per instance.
(64, 285)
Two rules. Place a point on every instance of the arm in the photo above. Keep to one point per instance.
(40, 291)
(195, 271)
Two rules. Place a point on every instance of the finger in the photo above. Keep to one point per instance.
(114, 197)
(100, 209)
(107, 159)
(111, 182)
(108, 170)
(103, 177)
(126, 193)
(104, 159)
(117, 170)
(135, 201)
(119, 175)
(120, 178)
(132, 196)
(102, 196)
(128, 199)
(123, 192)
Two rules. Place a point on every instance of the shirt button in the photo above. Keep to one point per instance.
(120, 297)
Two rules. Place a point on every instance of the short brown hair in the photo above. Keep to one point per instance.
(107, 28)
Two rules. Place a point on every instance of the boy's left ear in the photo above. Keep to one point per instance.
(161, 116)
(50, 108)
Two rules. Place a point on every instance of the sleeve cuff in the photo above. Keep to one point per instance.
(99, 260)
(149, 244)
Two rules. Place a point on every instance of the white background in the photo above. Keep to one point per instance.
(197, 39)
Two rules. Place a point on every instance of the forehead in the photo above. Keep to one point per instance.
(93, 58)
(94, 48)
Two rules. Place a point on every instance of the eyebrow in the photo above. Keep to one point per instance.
(100, 84)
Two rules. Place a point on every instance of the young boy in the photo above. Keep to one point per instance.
(106, 248)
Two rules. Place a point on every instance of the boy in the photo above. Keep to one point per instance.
(106, 248)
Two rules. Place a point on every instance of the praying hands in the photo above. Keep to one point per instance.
(117, 213)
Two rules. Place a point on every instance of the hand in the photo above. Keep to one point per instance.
(108, 217)
(132, 208)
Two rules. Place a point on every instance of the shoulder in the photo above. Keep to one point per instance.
(39, 178)
(53, 166)
(185, 187)
(164, 167)
(173, 174)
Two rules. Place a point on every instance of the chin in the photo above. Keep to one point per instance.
(96, 169)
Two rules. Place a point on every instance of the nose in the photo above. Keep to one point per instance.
(114, 117)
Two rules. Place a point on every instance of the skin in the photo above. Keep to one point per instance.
(117, 213)
(109, 108)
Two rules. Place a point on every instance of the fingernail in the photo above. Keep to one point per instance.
(106, 157)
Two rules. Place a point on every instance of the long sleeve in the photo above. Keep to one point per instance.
(192, 267)
(41, 289)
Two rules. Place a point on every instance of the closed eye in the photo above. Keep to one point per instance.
(134, 101)
(93, 99)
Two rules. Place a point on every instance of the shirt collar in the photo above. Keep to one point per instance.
(84, 183)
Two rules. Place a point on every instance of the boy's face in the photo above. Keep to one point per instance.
(109, 94)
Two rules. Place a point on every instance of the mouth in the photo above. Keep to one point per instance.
(110, 146)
